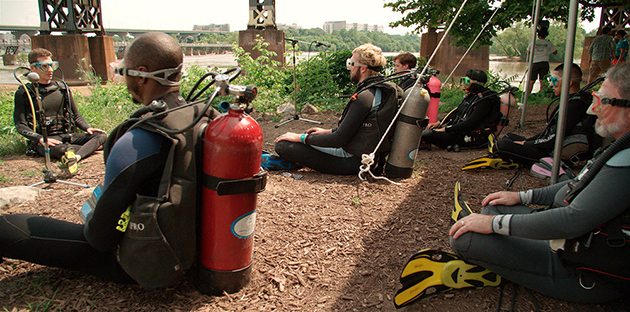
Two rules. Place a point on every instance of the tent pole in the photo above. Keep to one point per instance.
(564, 96)
(530, 59)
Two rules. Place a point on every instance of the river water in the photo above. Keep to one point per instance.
(504, 69)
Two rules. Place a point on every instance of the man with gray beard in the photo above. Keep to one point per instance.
(566, 250)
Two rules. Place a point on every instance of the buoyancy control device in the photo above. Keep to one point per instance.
(408, 131)
(232, 177)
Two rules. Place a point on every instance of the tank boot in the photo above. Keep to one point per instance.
(431, 272)
(460, 208)
(273, 162)
(490, 161)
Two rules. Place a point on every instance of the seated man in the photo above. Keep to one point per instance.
(144, 167)
(361, 126)
(568, 250)
(527, 151)
(61, 118)
(472, 121)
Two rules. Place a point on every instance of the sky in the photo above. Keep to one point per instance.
(183, 14)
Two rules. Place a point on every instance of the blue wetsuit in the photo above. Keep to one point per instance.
(134, 166)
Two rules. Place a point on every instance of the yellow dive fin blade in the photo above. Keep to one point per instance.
(460, 208)
(431, 272)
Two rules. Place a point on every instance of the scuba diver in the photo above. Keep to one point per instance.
(61, 119)
(468, 125)
(362, 124)
(405, 62)
(515, 149)
(576, 249)
(147, 170)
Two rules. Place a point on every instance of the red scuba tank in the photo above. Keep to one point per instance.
(434, 85)
(231, 163)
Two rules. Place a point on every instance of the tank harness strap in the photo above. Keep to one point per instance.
(377, 99)
(222, 186)
(435, 95)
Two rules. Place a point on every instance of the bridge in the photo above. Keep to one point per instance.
(187, 38)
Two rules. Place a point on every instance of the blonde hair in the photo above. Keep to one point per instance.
(370, 55)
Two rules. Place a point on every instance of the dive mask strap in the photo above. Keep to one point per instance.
(161, 76)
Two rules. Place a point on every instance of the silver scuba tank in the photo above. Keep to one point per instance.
(409, 125)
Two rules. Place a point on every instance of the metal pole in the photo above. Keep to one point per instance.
(564, 96)
(530, 60)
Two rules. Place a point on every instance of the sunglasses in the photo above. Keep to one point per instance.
(604, 100)
(46, 66)
(554, 81)
(350, 63)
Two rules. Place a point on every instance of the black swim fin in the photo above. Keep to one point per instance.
(431, 272)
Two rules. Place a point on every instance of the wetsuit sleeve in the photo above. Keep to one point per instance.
(134, 166)
(603, 198)
(350, 124)
(21, 110)
(79, 121)
(483, 109)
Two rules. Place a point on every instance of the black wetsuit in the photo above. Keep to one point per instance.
(408, 83)
(134, 167)
(340, 151)
(470, 124)
(542, 144)
(62, 118)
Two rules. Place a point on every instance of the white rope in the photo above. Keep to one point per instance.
(472, 44)
(368, 160)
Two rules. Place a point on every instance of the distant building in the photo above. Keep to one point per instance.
(287, 26)
(213, 27)
(329, 27)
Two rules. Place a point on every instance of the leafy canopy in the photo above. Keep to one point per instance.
(422, 14)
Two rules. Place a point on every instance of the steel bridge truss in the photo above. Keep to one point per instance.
(71, 16)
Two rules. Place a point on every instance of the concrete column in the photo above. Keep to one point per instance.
(188, 51)
(585, 62)
(448, 56)
(102, 53)
(275, 38)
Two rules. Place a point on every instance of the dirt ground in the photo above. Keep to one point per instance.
(322, 242)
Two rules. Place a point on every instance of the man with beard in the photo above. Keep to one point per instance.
(362, 124)
(565, 251)
(146, 167)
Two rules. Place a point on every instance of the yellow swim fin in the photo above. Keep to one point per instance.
(460, 208)
(431, 272)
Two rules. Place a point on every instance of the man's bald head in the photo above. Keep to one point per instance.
(155, 51)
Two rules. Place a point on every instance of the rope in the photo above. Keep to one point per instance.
(368, 159)
(472, 44)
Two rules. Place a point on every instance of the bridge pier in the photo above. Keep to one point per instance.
(78, 51)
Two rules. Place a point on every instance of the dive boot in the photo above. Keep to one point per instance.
(273, 162)
(461, 208)
(490, 161)
(431, 272)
